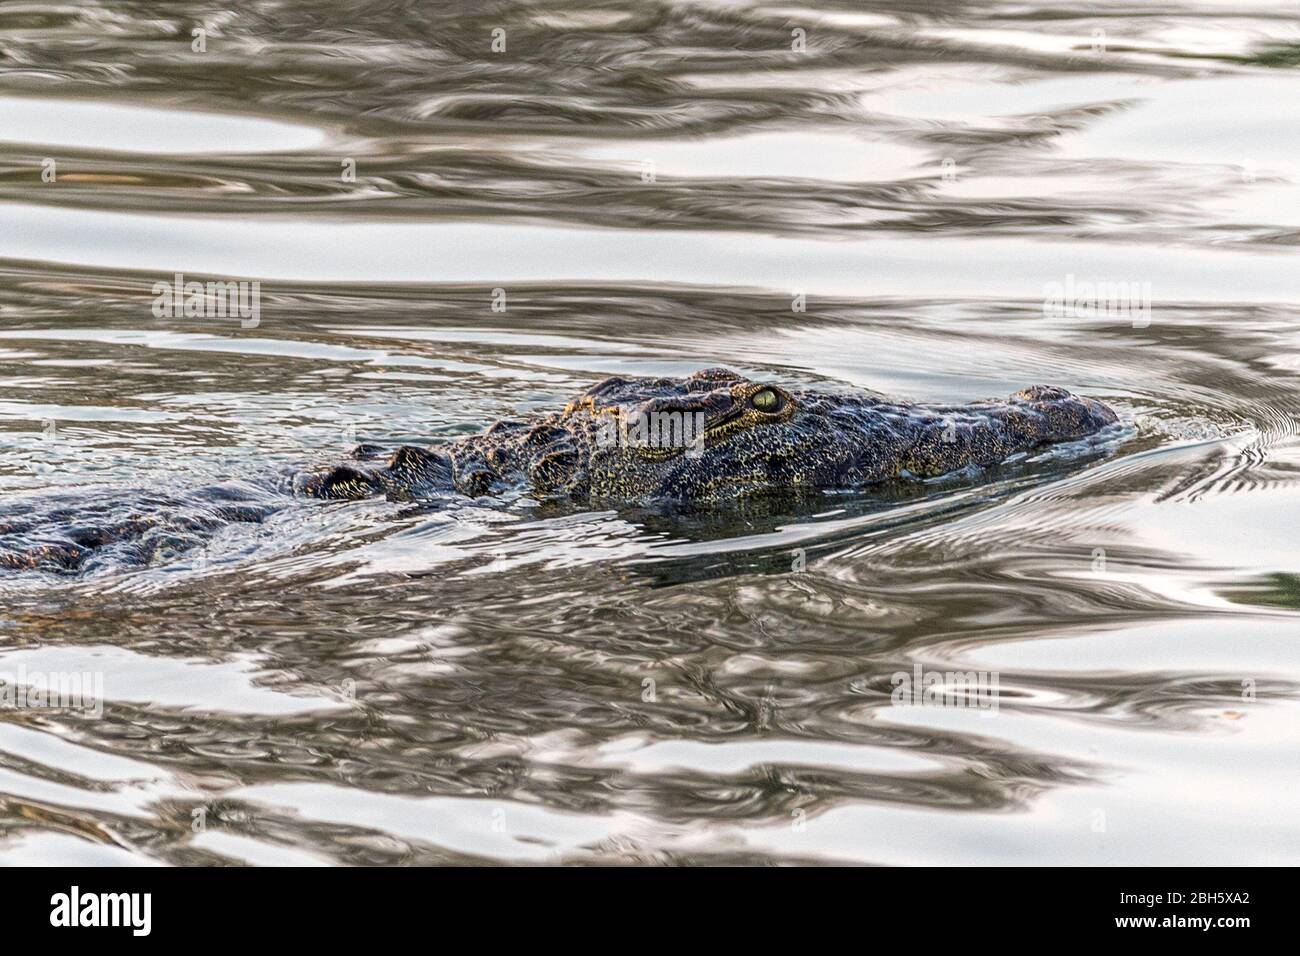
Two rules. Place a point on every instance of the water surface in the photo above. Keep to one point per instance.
(651, 186)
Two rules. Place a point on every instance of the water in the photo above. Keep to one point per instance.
(650, 185)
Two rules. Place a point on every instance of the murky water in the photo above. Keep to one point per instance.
(653, 188)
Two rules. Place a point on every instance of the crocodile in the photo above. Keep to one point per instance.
(709, 438)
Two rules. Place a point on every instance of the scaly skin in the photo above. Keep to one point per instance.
(756, 438)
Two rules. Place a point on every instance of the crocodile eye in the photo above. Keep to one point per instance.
(766, 400)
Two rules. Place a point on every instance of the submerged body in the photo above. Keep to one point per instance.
(706, 439)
